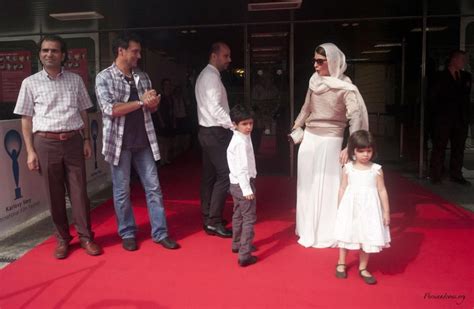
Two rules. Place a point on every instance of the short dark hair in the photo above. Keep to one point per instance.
(240, 113)
(123, 40)
(320, 51)
(53, 38)
(216, 47)
(360, 139)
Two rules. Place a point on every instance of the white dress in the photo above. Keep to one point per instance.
(319, 174)
(359, 220)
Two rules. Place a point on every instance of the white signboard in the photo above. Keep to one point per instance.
(98, 171)
(22, 193)
(23, 196)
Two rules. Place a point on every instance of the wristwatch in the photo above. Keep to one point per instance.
(140, 103)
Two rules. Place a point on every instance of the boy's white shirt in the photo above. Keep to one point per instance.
(241, 161)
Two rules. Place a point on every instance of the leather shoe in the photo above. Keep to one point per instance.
(218, 230)
(61, 251)
(168, 243)
(341, 274)
(252, 249)
(461, 181)
(369, 280)
(248, 261)
(129, 244)
(91, 247)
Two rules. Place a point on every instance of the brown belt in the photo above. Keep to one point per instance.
(60, 136)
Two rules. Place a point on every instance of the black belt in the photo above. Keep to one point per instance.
(212, 128)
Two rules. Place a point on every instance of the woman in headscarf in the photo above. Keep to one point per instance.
(332, 101)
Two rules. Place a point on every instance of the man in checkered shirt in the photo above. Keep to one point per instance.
(126, 99)
(53, 104)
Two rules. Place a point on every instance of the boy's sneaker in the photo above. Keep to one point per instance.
(248, 261)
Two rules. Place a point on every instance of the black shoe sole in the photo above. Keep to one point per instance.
(248, 262)
(130, 247)
(177, 246)
(212, 233)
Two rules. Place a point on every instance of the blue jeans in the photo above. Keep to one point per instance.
(145, 166)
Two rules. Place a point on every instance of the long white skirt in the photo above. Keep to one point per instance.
(319, 176)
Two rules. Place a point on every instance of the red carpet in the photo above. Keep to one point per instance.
(428, 266)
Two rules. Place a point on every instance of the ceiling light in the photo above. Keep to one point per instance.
(77, 16)
(430, 29)
(376, 51)
(266, 55)
(264, 62)
(358, 59)
(192, 31)
(275, 5)
(388, 45)
(345, 24)
(269, 34)
(184, 31)
(355, 24)
(266, 49)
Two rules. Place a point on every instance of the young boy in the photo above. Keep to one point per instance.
(241, 160)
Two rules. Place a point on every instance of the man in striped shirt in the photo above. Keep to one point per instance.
(53, 104)
(126, 98)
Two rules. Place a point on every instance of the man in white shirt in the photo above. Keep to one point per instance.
(214, 136)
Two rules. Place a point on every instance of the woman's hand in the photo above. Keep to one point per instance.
(343, 156)
(386, 218)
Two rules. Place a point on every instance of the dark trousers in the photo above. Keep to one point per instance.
(215, 172)
(456, 134)
(63, 168)
(243, 220)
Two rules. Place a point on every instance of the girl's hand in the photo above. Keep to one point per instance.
(343, 156)
(386, 218)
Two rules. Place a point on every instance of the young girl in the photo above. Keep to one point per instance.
(363, 215)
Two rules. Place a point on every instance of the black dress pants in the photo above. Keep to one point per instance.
(215, 172)
(456, 133)
(62, 165)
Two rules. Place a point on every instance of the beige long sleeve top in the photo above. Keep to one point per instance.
(327, 114)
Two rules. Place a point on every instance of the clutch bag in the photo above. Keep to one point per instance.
(297, 135)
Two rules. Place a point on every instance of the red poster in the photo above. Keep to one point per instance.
(15, 66)
(77, 63)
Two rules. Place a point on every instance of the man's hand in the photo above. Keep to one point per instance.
(150, 100)
(152, 103)
(32, 161)
(87, 149)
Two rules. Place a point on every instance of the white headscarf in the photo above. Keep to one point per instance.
(337, 80)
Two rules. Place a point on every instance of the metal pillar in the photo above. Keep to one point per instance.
(402, 94)
(247, 66)
(423, 91)
(291, 81)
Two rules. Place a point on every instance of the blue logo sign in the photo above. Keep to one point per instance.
(95, 132)
(13, 145)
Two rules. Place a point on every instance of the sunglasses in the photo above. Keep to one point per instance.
(319, 61)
